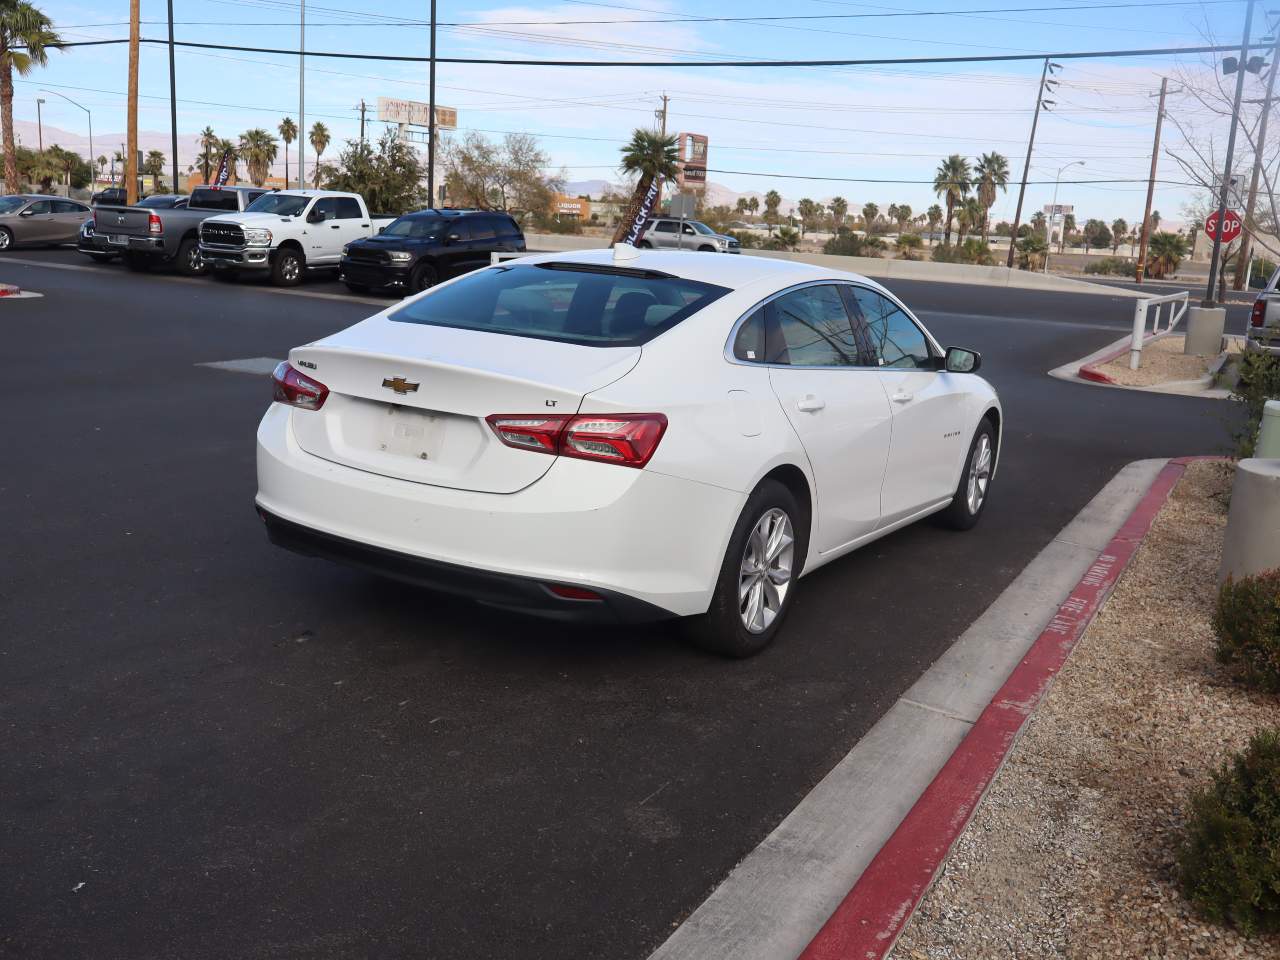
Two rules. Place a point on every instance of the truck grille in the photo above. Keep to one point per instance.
(362, 255)
(230, 234)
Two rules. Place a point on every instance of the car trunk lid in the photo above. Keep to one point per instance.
(123, 221)
(411, 402)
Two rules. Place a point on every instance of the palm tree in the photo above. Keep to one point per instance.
(839, 207)
(902, 216)
(102, 162)
(772, 200)
(869, 213)
(258, 149)
(754, 205)
(1039, 224)
(288, 133)
(208, 158)
(1068, 227)
(934, 213)
(116, 157)
(741, 206)
(153, 166)
(24, 27)
(649, 157)
(319, 138)
(992, 174)
(952, 182)
(1119, 231)
(1166, 251)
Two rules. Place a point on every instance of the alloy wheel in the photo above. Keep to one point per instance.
(764, 575)
(290, 269)
(979, 474)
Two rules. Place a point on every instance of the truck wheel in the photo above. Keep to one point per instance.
(286, 269)
(188, 260)
(138, 262)
(423, 277)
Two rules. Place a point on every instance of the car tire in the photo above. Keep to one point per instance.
(705, 249)
(357, 287)
(974, 489)
(6, 238)
(188, 262)
(742, 628)
(137, 262)
(423, 277)
(644, 245)
(287, 267)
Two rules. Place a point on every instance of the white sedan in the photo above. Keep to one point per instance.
(625, 436)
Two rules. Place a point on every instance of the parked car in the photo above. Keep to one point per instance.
(626, 435)
(419, 249)
(668, 233)
(112, 195)
(34, 219)
(1263, 332)
(154, 232)
(164, 201)
(288, 232)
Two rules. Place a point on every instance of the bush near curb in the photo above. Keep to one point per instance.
(1258, 382)
(1247, 623)
(1230, 858)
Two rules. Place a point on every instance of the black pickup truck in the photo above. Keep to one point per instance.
(145, 236)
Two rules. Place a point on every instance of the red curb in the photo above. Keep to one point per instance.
(870, 918)
(1090, 371)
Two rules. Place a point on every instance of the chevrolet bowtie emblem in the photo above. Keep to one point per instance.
(400, 385)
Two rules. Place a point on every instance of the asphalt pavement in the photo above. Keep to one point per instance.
(214, 748)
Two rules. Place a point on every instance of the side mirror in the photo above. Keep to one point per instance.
(960, 360)
(381, 229)
(454, 238)
(315, 216)
(27, 213)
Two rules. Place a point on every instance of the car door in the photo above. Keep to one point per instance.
(927, 402)
(69, 217)
(353, 224)
(454, 253)
(36, 223)
(324, 232)
(665, 234)
(834, 400)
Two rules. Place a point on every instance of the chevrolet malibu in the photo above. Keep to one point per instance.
(626, 436)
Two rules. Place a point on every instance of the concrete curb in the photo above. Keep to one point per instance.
(1086, 370)
(773, 903)
(870, 919)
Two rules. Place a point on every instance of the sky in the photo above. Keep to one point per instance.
(804, 131)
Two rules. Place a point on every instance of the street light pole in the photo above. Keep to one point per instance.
(173, 102)
(93, 163)
(39, 124)
(431, 115)
(1053, 210)
(302, 96)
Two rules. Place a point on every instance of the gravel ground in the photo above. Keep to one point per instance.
(1072, 853)
(1162, 362)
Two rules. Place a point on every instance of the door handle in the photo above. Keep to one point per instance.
(335, 226)
(810, 404)
(901, 397)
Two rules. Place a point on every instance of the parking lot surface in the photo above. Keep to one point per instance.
(214, 748)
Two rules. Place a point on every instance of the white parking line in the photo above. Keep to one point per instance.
(291, 292)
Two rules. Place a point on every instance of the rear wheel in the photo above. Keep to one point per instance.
(6, 238)
(188, 260)
(975, 481)
(424, 276)
(757, 579)
(286, 269)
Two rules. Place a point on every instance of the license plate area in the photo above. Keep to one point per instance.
(118, 239)
(410, 433)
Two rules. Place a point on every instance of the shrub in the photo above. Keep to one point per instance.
(1259, 381)
(748, 240)
(1031, 251)
(1119, 266)
(908, 246)
(1247, 623)
(1230, 857)
(849, 244)
(972, 250)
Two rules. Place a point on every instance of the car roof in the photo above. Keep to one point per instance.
(455, 212)
(734, 271)
(226, 186)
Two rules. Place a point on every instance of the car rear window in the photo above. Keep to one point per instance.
(213, 200)
(573, 303)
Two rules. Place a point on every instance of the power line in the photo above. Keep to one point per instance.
(1030, 183)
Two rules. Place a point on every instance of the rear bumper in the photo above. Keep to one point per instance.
(96, 244)
(1266, 339)
(642, 540)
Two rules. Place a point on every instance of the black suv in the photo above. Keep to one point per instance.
(418, 249)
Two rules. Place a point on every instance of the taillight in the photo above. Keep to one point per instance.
(297, 389)
(628, 439)
(153, 223)
(1259, 315)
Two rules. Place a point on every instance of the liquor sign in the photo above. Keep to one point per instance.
(414, 113)
(1231, 226)
(691, 149)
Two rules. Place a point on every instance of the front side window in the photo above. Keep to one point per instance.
(326, 208)
(415, 227)
(813, 329)
(283, 204)
(702, 228)
(40, 206)
(897, 341)
(68, 206)
(568, 302)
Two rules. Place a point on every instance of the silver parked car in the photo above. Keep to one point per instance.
(36, 219)
(669, 233)
(1263, 332)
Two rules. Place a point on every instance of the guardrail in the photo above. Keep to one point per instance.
(1178, 303)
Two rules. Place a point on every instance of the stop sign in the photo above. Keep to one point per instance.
(1231, 226)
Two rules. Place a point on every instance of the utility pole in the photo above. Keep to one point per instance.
(39, 124)
(1045, 84)
(302, 94)
(1246, 238)
(661, 117)
(173, 102)
(362, 108)
(131, 131)
(1214, 265)
(1141, 269)
(431, 114)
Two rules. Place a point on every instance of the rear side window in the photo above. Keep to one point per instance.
(667, 226)
(205, 199)
(481, 228)
(591, 307)
(748, 345)
(252, 195)
(348, 209)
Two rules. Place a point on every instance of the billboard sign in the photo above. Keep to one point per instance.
(691, 148)
(414, 113)
(1055, 210)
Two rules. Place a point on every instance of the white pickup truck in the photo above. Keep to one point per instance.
(288, 232)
